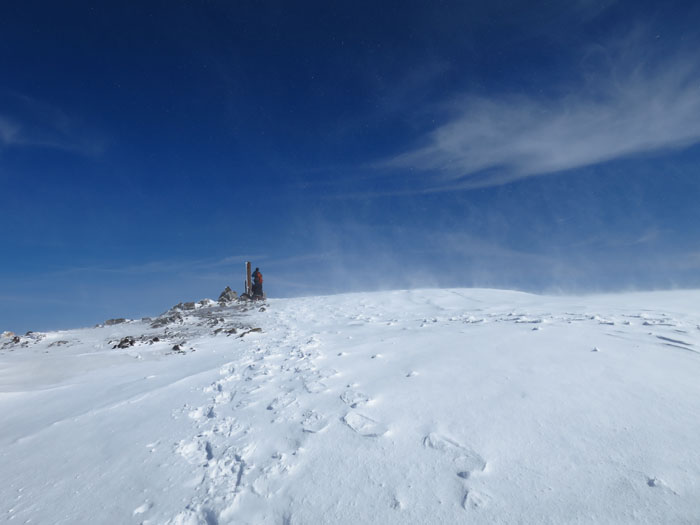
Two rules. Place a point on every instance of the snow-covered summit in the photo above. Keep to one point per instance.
(426, 406)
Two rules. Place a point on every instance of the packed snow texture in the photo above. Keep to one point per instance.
(426, 406)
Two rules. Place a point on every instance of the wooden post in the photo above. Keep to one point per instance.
(248, 283)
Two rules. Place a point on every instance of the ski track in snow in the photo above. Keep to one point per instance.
(255, 427)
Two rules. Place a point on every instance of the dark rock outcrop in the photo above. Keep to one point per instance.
(166, 319)
(228, 331)
(126, 342)
(227, 296)
(183, 306)
(251, 331)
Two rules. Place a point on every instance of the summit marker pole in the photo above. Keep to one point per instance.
(248, 283)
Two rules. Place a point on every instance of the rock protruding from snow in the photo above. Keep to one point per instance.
(125, 342)
(166, 319)
(227, 296)
(203, 303)
(112, 322)
(184, 306)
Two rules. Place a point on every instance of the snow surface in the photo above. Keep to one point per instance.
(424, 406)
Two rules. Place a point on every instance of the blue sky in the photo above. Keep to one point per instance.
(148, 149)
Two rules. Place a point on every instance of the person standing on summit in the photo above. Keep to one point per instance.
(257, 283)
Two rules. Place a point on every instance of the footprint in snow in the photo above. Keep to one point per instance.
(314, 386)
(465, 459)
(267, 480)
(364, 425)
(313, 422)
(475, 500)
(194, 514)
(195, 452)
(282, 401)
(142, 509)
(223, 397)
(214, 387)
(312, 342)
(325, 373)
(202, 413)
(227, 427)
(396, 503)
(353, 398)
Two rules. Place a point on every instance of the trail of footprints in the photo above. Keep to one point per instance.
(238, 469)
(229, 452)
(235, 469)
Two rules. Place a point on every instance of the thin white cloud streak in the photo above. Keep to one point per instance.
(9, 131)
(630, 109)
(28, 122)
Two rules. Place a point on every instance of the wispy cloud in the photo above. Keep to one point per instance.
(9, 131)
(627, 100)
(28, 122)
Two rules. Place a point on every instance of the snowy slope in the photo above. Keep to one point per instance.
(426, 406)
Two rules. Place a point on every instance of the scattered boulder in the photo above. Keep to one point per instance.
(166, 319)
(14, 340)
(58, 343)
(227, 296)
(35, 336)
(126, 342)
(183, 306)
(227, 331)
(179, 307)
(252, 330)
(206, 302)
(112, 322)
